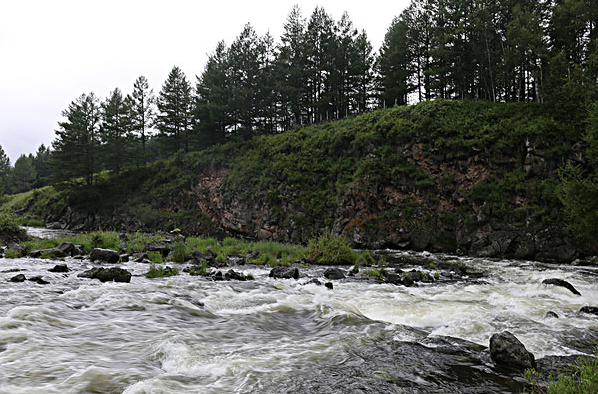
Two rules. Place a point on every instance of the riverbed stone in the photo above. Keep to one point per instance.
(284, 273)
(105, 255)
(329, 285)
(158, 247)
(67, 248)
(506, 350)
(59, 268)
(114, 274)
(591, 310)
(561, 283)
(551, 315)
(90, 273)
(18, 278)
(53, 253)
(334, 273)
(36, 254)
(39, 280)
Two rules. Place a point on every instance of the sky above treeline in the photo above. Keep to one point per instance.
(53, 51)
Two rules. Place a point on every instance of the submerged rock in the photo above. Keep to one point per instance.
(284, 273)
(39, 280)
(551, 314)
(105, 255)
(59, 268)
(329, 285)
(18, 278)
(561, 283)
(591, 310)
(508, 351)
(334, 273)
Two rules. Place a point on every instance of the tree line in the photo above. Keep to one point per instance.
(321, 69)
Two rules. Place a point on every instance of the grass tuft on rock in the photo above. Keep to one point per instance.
(331, 249)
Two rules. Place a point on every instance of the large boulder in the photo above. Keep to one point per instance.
(18, 278)
(59, 268)
(68, 248)
(508, 351)
(52, 253)
(334, 273)
(561, 283)
(107, 274)
(284, 273)
(105, 255)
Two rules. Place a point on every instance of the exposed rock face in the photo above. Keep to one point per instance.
(334, 273)
(104, 255)
(284, 273)
(508, 351)
(561, 283)
(107, 274)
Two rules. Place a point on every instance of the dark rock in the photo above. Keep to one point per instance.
(561, 283)
(235, 259)
(18, 278)
(113, 274)
(90, 274)
(59, 268)
(8, 271)
(315, 282)
(354, 270)
(592, 310)
(105, 255)
(508, 351)
(329, 285)
(234, 275)
(35, 254)
(334, 273)
(407, 281)
(427, 278)
(39, 280)
(124, 258)
(252, 255)
(53, 253)
(218, 276)
(393, 278)
(123, 237)
(551, 314)
(139, 257)
(67, 248)
(161, 248)
(284, 273)
(415, 276)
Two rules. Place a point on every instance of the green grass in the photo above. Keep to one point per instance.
(332, 250)
(9, 227)
(584, 379)
(155, 257)
(160, 272)
(375, 274)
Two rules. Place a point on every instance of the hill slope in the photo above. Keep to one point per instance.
(453, 176)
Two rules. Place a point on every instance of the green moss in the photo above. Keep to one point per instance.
(161, 272)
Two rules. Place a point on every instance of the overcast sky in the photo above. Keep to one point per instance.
(51, 51)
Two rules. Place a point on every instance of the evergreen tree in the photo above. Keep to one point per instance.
(142, 111)
(174, 120)
(41, 164)
(76, 147)
(23, 175)
(290, 70)
(4, 171)
(211, 109)
(116, 130)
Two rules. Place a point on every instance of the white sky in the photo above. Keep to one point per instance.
(51, 51)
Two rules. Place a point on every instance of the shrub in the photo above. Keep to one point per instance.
(331, 249)
(160, 272)
(179, 252)
(9, 227)
(583, 380)
(155, 257)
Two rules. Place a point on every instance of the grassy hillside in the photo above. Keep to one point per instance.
(442, 167)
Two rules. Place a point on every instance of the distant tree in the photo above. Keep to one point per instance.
(142, 111)
(4, 171)
(23, 175)
(76, 147)
(174, 119)
(116, 130)
(41, 163)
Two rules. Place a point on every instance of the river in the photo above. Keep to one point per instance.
(187, 334)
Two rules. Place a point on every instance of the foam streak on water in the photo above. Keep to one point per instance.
(190, 335)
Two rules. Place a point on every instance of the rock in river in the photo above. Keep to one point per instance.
(59, 268)
(561, 283)
(18, 278)
(105, 255)
(334, 273)
(284, 273)
(592, 310)
(107, 274)
(508, 351)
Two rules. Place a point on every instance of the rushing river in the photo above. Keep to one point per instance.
(188, 334)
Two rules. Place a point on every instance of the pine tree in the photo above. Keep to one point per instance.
(211, 104)
(76, 147)
(41, 164)
(23, 174)
(174, 119)
(4, 171)
(116, 130)
(142, 110)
